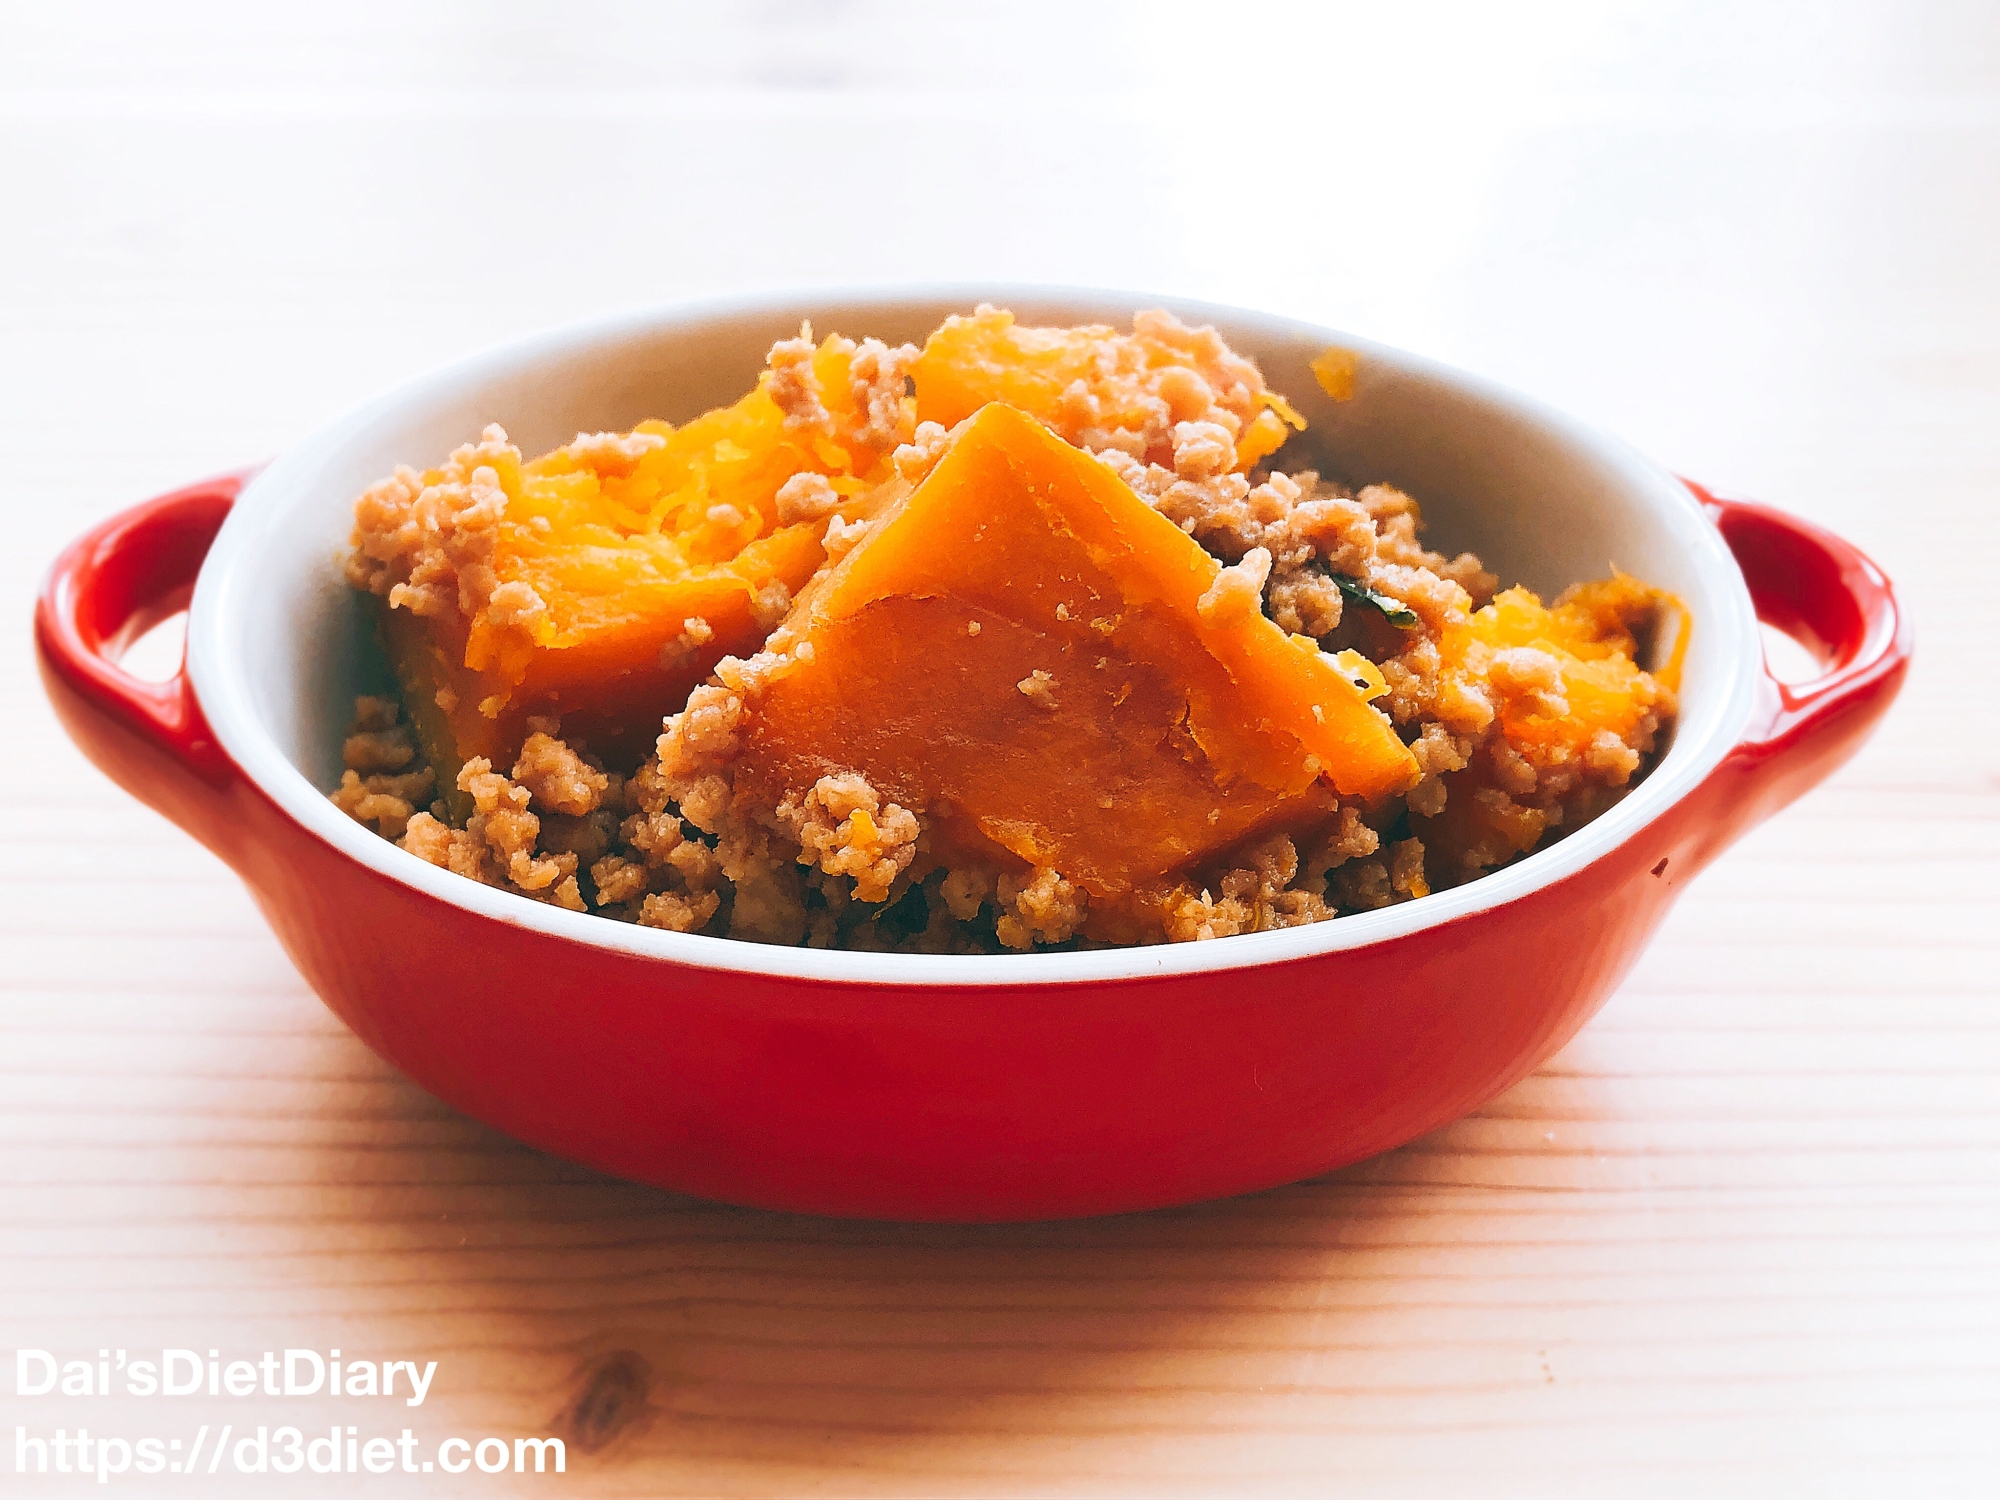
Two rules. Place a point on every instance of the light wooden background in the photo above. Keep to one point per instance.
(1741, 1237)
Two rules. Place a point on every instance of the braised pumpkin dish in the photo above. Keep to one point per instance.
(1023, 639)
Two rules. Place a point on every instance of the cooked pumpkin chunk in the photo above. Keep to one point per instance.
(1028, 652)
(1099, 388)
(1575, 715)
(602, 581)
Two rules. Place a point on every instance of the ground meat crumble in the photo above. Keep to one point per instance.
(428, 548)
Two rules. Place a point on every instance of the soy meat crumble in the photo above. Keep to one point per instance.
(1506, 722)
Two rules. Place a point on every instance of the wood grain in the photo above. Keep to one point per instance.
(1741, 1237)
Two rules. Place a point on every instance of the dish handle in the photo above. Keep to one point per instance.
(108, 588)
(1827, 595)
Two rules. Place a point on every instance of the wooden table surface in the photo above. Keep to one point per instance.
(1742, 1236)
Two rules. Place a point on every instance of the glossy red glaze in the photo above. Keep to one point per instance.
(957, 1102)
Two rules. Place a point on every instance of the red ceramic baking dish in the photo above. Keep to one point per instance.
(931, 1087)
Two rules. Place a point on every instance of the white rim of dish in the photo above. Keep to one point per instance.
(223, 692)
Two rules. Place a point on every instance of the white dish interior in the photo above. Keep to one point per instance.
(278, 645)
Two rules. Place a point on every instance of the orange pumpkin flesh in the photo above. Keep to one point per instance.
(624, 552)
(1588, 633)
(970, 361)
(1155, 738)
